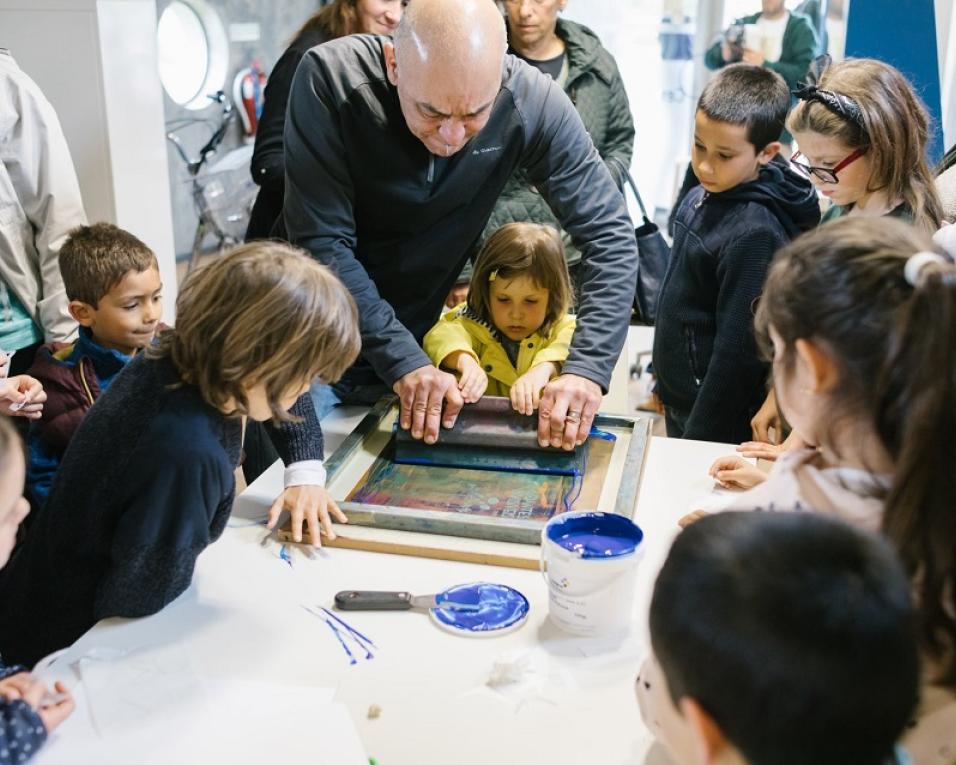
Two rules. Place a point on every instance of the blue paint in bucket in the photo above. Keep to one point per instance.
(501, 608)
(595, 535)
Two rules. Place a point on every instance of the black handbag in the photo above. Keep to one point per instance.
(653, 255)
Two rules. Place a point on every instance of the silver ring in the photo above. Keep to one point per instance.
(573, 416)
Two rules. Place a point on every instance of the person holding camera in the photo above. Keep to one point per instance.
(776, 38)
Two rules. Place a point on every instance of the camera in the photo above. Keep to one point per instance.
(734, 37)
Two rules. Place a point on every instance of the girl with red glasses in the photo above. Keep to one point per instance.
(862, 135)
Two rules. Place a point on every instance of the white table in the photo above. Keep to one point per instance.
(242, 617)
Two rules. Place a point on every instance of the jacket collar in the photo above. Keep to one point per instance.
(584, 52)
(106, 361)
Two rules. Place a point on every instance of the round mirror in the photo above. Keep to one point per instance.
(193, 52)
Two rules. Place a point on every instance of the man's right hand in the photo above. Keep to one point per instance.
(421, 394)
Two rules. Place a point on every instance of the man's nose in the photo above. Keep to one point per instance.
(452, 132)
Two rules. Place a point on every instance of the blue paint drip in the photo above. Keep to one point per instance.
(499, 607)
(595, 535)
(348, 652)
(284, 555)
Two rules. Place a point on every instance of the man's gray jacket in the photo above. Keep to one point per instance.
(396, 223)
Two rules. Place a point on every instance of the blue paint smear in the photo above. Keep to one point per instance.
(500, 607)
(595, 535)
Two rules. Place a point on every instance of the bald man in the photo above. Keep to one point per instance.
(395, 155)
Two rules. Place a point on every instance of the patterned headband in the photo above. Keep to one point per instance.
(842, 106)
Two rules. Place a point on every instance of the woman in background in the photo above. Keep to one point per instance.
(340, 18)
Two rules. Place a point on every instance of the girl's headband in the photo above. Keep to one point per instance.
(839, 104)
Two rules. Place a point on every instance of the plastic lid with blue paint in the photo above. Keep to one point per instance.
(501, 609)
(595, 535)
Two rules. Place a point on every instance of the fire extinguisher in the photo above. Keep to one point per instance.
(248, 94)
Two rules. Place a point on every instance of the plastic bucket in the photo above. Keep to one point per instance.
(589, 561)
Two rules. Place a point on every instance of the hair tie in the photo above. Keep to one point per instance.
(916, 263)
(839, 104)
(493, 275)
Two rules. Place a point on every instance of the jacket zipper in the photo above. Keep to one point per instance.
(702, 199)
(431, 169)
(86, 385)
(692, 354)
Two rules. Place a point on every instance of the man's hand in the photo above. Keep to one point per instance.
(421, 393)
(566, 411)
(526, 390)
(754, 57)
(309, 503)
(458, 294)
(472, 381)
(22, 396)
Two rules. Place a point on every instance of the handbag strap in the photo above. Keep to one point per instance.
(630, 182)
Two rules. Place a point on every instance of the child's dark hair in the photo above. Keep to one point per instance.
(894, 129)
(843, 285)
(94, 259)
(793, 631)
(522, 248)
(753, 96)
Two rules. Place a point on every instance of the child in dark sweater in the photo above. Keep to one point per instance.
(148, 481)
(28, 711)
(711, 378)
(115, 293)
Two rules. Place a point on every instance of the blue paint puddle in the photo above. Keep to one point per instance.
(499, 607)
(595, 535)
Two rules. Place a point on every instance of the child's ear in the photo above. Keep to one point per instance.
(709, 740)
(84, 313)
(769, 152)
(822, 369)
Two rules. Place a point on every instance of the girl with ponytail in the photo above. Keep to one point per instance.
(860, 319)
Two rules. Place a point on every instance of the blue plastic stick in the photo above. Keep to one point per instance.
(348, 626)
(348, 652)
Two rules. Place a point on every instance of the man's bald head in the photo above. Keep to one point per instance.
(446, 62)
(452, 32)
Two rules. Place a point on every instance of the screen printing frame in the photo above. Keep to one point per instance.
(349, 463)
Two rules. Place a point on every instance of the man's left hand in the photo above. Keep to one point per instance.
(567, 409)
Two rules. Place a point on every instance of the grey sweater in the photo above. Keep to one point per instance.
(397, 223)
(146, 484)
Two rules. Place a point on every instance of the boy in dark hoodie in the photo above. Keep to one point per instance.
(710, 376)
(113, 285)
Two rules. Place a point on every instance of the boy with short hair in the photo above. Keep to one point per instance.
(710, 376)
(780, 639)
(112, 282)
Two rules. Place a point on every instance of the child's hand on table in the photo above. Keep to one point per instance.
(526, 390)
(736, 473)
(310, 504)
(51, 710)
(22, 396)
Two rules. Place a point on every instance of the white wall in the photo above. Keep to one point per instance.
(95, 60)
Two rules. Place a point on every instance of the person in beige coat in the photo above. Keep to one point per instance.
(40, 204)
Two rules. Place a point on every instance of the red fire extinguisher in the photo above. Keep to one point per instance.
(247, 93)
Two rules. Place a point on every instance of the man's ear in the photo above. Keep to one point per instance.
(822, 370)
(84, 313)
(391, 65)
(769, 152)
(709, 740)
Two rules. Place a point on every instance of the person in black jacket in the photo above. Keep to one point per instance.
(339, 18)
(148, 481)
(395, 156)
(711, 378)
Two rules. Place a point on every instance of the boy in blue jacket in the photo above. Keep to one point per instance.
(711, 378)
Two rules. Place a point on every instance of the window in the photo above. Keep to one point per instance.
(193, 52)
